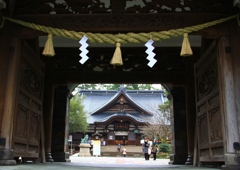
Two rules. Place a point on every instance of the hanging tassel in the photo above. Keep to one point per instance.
(186, 49)
(48, 49)
(117, 56)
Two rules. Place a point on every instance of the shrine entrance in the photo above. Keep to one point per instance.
(36, 89)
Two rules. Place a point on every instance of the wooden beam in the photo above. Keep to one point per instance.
(177, 78)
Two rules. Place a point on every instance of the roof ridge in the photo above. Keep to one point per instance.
(120, 114)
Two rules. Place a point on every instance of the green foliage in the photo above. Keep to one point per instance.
(165, 107)
(116, 86)
(88, 86)
(165, 148)
(77, 116)
(165, 110)
(163, 155)
(110, 86)
(139, 87)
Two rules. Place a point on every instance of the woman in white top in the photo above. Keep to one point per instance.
(124, 151)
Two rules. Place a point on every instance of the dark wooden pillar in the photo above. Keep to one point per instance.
(60, 125)
(9, 63)
(179, 143)
(48, 106)
(228, 56)
(232, 159)
(190, 109)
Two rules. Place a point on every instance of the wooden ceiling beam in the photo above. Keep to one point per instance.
(78, 77)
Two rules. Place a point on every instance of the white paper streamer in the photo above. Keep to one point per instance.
(84, 50)
(150, 53)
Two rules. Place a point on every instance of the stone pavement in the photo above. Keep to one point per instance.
(103, 163)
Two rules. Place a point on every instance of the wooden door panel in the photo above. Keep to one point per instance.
(209, 119)
(28, 114)
(21, 122)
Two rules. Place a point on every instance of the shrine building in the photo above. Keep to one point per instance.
(121, 114)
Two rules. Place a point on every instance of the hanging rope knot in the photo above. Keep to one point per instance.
(117, 56)
(186, 48)
(48, 49)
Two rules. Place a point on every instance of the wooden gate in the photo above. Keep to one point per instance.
(27, 119)
(209, 114)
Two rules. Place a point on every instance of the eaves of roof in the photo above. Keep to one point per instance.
(121, 91)
(116, 115)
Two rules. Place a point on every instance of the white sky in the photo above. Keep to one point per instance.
(157, 86)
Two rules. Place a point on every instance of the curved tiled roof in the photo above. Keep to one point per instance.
(139, 105)
(105, 104)
(120, 114)
(95, 101)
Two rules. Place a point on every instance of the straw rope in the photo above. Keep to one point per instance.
(119, 38)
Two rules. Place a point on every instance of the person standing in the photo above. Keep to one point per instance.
(124, 151)
(145, 147)
(124, 141)
(119, 147)
(154, 149)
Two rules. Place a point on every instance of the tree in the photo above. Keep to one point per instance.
(87, 86)
(166, 130)
(115, 86)
(159, 125)
(165, 148)
(77, 118)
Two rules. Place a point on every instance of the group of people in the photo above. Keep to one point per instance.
(149, 148)
(124, 150)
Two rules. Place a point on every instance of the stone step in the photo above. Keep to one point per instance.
(117, 154)
(111, 151)
(113, 148)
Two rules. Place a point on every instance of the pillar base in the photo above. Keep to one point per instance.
(61, 156)
(232, 162)
(230, 167)
(6, 157)
(49, 157)
(7, 162)
(178, 159)
(189, 160)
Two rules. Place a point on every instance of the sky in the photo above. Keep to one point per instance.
(157, 86)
